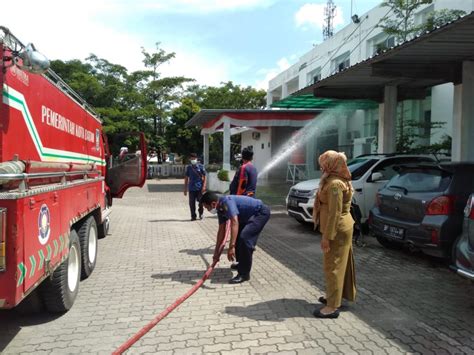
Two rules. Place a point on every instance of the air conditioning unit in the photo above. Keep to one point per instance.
(256, 135)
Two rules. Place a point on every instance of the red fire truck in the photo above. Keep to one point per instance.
(58, 177)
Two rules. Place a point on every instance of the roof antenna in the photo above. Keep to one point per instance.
(329, 13)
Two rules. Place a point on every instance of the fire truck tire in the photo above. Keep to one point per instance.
(88, 237)
(104, 228)
(60, 290)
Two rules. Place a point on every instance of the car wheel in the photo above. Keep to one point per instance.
(389, 244)
(88, 237)
(60, 290)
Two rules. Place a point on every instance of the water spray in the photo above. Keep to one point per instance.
(310, 130)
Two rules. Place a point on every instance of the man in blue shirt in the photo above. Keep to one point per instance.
(247, 217)
(245, 179)
(195, 183)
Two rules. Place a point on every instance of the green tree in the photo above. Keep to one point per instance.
(104, 86)
(180, 139)
(441, 17)
(416, 132)
(402, 24)
(228, 96)
(159, 93)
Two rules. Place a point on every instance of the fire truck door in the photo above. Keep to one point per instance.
(127, 162)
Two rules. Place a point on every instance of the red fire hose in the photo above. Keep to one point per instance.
(125, 346)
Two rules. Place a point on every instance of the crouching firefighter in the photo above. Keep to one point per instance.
(247, 217)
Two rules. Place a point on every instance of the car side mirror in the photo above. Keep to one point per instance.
(377, 176)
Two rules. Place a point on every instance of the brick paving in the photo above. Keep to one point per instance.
(407, 303)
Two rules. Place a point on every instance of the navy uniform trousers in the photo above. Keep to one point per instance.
(247, 239)
(195, 196)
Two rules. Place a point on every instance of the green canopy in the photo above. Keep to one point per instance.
(309, 101)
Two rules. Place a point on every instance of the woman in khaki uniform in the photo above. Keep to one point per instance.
(332, 214)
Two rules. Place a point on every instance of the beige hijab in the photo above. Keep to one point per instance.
(332, 163)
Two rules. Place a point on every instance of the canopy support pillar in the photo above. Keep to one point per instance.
(226, 145)
(463, 114)
(205, 143)
(387, 121)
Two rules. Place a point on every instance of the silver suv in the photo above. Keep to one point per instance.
(369, 173)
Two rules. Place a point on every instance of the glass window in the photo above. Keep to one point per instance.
(421, 180)
(388, 168)
(314, 76)
(359, 166)
(341, 62)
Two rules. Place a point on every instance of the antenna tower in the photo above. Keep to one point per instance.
(329, 13)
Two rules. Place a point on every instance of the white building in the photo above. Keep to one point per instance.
(356, 132)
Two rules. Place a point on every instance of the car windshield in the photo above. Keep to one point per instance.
(359, 166)
(421, 180)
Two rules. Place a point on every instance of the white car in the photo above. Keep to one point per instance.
(369, 174)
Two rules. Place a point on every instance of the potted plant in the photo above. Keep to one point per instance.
(219, 181)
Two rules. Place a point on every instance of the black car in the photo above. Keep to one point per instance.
(422, 207)
(463, 250)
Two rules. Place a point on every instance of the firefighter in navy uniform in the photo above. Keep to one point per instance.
(195, 183)
(247, 216)
(245, 179)
(244, 183)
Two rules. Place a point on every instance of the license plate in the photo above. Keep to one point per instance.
(393, 232)
(292, 203)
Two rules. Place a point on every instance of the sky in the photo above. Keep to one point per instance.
(245, 41)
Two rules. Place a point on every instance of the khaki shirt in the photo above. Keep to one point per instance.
(335, 215)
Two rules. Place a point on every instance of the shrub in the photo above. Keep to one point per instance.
(223, 175)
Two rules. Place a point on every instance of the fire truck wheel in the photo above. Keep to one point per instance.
(60, 290)
(88, 236)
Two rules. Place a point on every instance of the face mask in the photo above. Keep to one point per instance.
(194, 161)
(213, 211)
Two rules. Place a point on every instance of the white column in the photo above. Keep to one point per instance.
(387, 121)
(226, 145)
(284, 90)
(463, 113)
(205, 137)
(269, 98)
(457, 124)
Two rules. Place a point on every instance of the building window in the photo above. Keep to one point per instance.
(343, 65)
(314, 76)
(342, 62)
(381, 46)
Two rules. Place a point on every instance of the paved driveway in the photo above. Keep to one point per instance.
(406, 303)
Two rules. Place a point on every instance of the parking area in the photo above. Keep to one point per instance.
(406, 303)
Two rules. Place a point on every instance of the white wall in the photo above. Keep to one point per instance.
(261, 156)
(358, 39)
(352, 36)
(466, 5)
